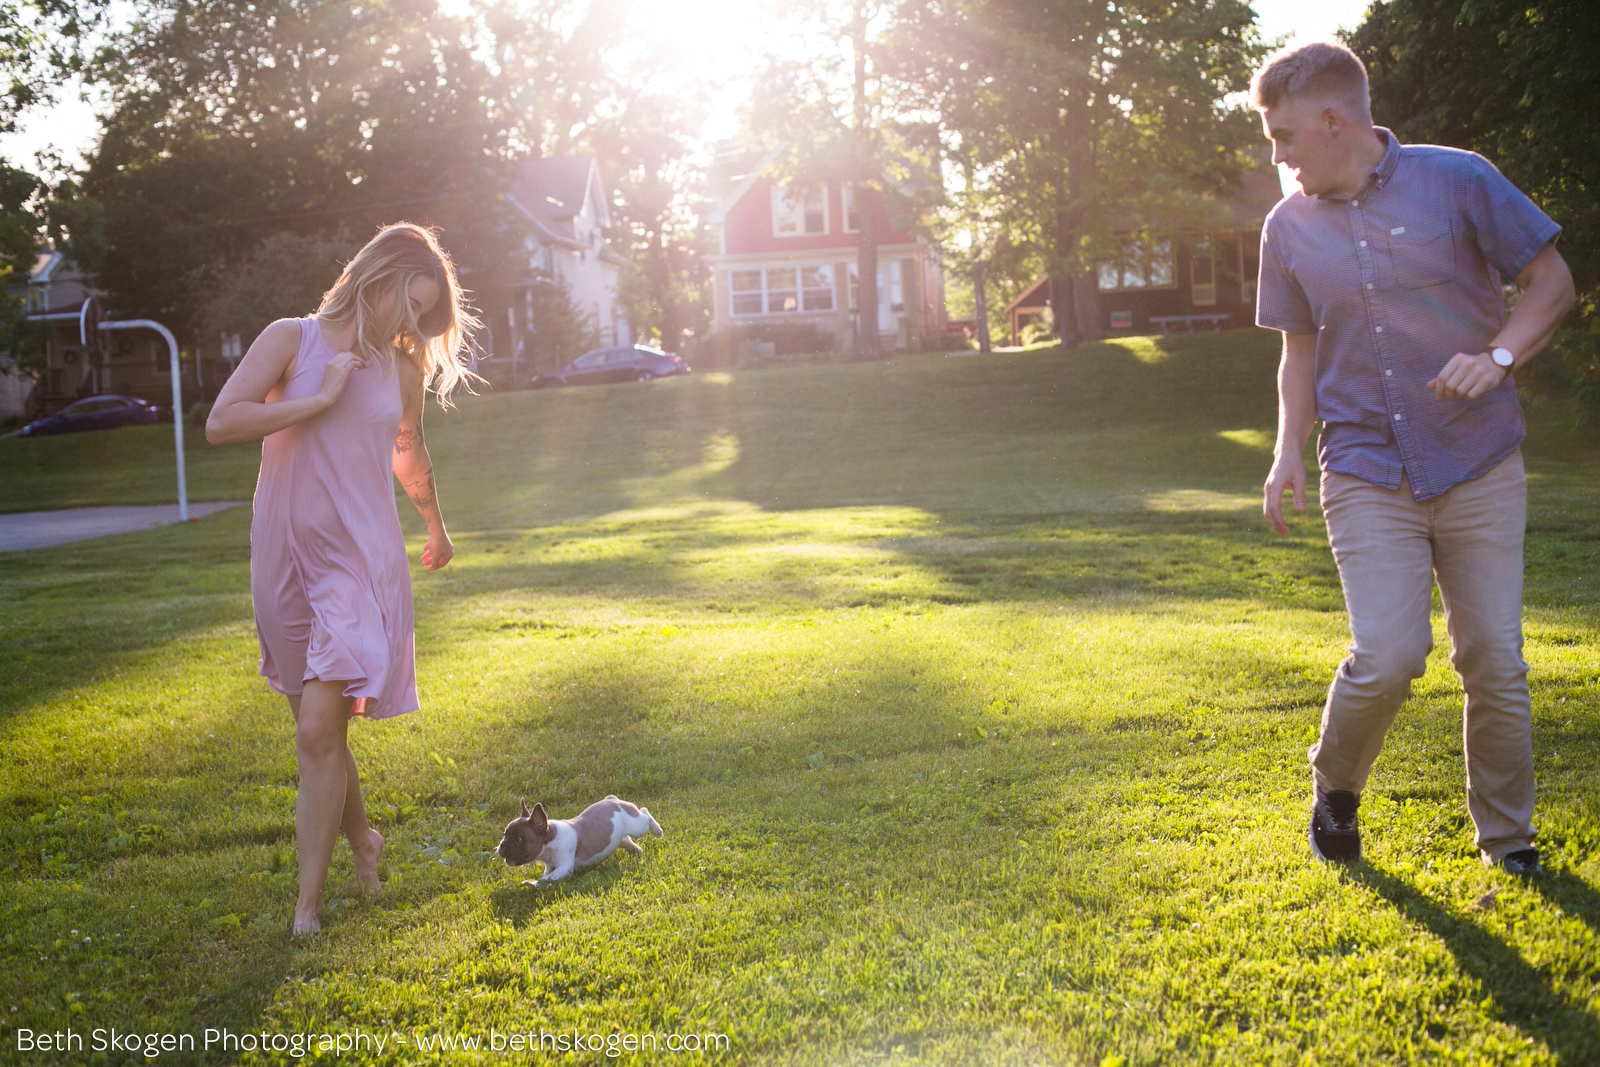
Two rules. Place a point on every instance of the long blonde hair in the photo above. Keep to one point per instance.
(400, 252)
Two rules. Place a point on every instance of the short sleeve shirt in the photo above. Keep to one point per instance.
(1394, 281)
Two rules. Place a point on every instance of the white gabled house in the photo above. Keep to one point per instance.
(564, 204)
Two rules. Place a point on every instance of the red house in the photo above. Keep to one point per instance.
(788, 257)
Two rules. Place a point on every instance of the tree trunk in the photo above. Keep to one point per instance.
(867, 278)
(1063, 301)
(1075, 296)
(867, 240)
(981, 308)
(1086, 301)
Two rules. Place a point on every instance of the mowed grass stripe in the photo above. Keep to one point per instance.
(973, 696)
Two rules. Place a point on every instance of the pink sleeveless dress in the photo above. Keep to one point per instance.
(328, 569)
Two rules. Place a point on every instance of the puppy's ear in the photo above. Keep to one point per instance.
(537, 821)
(524, 802)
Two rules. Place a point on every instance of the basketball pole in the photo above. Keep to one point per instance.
(177, 401)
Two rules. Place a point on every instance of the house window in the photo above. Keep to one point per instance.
(1141, 264)
(852, 218)
(782, 293)
(891, 287)
(1202, 274)
(799, 213)
(746, 285)
(781, 290)
(1249, 266)
(816, 288)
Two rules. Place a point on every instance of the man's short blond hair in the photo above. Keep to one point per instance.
(1319, 69)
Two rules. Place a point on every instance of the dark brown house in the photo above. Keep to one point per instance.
(1189, 280)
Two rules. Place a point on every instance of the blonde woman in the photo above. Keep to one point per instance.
(337, 397)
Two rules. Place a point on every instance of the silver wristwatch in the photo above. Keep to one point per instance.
(1502, 357)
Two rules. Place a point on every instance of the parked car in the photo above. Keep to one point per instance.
(632, 363)
(98, 413)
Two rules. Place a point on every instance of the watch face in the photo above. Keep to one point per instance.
(1502, 357)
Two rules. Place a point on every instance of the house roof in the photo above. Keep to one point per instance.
(735, 167)
(551, 192)
(45, 262)
(1032, 297)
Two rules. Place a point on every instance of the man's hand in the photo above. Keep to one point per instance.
(438, 551)
(1467, 377)
(1288, 472)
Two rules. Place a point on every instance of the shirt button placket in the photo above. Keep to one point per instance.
(1369, 294)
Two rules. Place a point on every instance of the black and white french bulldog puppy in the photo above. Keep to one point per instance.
(564, 844)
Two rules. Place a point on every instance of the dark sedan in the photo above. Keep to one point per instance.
(632, 363)
(97, 413)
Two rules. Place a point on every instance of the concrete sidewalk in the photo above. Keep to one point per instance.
(41, 529)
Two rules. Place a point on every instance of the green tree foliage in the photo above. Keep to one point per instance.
(39, 43)
(838, 123)
(1513, 81)
(282, 277)
(234, 119)
(1072, 116)
(645, 155)
(21, 228)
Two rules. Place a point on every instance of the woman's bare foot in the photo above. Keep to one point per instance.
(366, 857)
(306, 921)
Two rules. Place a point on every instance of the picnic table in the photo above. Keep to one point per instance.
(1167, 322)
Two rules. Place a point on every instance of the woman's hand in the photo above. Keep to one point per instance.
(336, 375)
(438, 551)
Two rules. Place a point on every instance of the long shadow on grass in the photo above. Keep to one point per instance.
(78, 613)
(1522, 994)
(1572, 894)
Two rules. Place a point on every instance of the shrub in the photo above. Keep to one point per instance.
(742, 344)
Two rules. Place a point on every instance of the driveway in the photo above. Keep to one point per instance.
(41, 529)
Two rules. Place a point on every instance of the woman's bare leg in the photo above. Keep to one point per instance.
(322, 721)
(365, 842)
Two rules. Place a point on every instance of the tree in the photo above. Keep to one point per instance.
(40, 42)
(645, 152)
(1501, 78)
(234, 119)
(1074, 115)
(282, 277)
(836, 124)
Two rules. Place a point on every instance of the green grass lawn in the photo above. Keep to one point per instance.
(973, 695)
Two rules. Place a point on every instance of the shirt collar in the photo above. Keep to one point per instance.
(1380, 173)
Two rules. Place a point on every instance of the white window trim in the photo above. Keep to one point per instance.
(847, 192)
(778, 198)
(799, 291)
(1118, 261)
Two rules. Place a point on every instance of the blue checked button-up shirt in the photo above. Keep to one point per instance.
(1394, 281)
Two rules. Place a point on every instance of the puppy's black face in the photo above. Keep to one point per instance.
(525, 837)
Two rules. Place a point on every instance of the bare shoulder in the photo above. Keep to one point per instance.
(278, 344)
(280, 333)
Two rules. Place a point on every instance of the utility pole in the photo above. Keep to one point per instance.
(867, 342)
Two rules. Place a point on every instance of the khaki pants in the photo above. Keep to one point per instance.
(1390, 549)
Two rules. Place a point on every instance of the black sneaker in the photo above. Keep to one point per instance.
(1524, 863)
(1334, 834)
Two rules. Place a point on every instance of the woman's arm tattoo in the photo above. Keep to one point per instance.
(423, 493)
(407, 439)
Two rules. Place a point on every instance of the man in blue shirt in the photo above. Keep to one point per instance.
(1384, 274)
